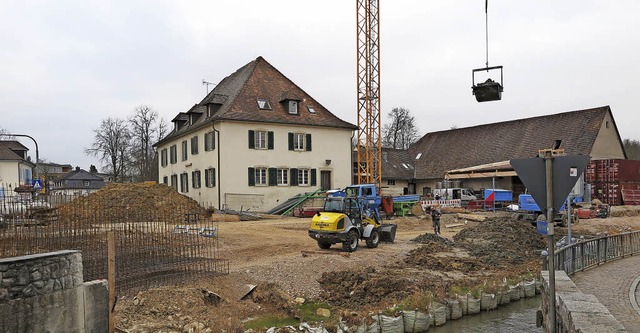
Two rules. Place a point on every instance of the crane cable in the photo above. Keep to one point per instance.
(486, 29)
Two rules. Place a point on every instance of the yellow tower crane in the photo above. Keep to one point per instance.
(369, 144)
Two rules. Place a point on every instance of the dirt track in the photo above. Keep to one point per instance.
(279, 257)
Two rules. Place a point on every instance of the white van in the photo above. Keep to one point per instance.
(454, 193)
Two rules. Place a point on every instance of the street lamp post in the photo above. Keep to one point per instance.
(35, 172)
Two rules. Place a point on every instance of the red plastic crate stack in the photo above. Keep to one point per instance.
(608, 178)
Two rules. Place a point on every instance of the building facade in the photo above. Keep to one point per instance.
(253, 142)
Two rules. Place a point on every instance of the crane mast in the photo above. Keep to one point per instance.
(369, 144)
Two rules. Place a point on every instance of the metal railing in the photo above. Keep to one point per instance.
(592, 252)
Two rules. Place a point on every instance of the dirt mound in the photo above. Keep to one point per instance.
(365, 287)
(432, 238)
(131, 202)
(625, 211)
(501, 242)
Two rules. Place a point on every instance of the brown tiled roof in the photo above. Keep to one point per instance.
(7, 154)
(235, 99)
(396, 164)
(522, 138)
(13, 145)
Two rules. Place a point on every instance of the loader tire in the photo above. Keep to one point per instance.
(324, 245)
(374, 239)
(350, 244)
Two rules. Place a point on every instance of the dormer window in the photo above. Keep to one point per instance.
(293, 106)
(263, 104)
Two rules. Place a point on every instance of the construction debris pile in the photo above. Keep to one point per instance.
(501, 242)
(131, 202)
(495, 249)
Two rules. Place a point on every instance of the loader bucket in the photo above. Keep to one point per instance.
(388, 232)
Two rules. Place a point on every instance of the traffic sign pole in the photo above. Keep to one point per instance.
(548, 163)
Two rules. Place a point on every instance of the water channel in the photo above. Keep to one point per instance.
(519, 316)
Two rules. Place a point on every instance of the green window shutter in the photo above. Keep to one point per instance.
(270, 140)
(252, 139)
(273, 177)
(290, 141)
(206, 178)
(294, 177)
(252, 177)
(314, 181)
(213, 140)
(308, 147)
(213, 175)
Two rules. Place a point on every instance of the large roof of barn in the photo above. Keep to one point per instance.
(257, 92)
(438, 152)
(396, 164)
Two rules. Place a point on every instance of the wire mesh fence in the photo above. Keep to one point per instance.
(162, 237)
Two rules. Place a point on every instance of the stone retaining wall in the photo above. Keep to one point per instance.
(39, 274)
(46, 293)
(575, 311)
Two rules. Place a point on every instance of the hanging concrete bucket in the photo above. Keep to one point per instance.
(489, 90)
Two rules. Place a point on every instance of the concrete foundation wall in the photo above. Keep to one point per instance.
(46, 293)
(575, 311)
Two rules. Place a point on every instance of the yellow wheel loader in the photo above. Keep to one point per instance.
(342, 220)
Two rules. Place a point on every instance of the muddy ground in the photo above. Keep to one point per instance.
(284, 263)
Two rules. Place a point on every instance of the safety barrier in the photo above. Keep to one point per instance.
(441, 203)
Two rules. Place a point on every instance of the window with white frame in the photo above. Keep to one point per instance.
(283, 177)
(184, 150)
(261, 176)
(298, 141)
(293, 107)
(195, 179)
(261, 139)
(303, 177)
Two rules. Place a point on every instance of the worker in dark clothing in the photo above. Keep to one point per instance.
(435, 218)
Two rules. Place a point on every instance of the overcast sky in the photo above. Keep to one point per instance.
(66, 65)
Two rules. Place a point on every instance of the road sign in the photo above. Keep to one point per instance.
(37, 184)
(542, 227)
(566, 172)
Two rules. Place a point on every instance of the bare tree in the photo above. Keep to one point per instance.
(400, 132)
(111, 144)
(4, 135)
(146, 129)
(632, 148)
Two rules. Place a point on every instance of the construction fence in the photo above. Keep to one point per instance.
(162, 237)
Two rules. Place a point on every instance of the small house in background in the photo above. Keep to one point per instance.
(398, 173)
(49, 172)
(16, 169)
(77, 182)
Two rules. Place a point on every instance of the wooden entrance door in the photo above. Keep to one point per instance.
(325, 180)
